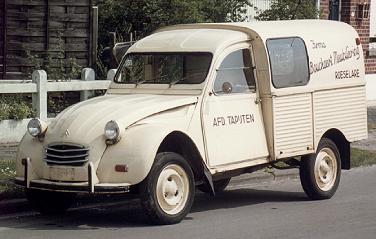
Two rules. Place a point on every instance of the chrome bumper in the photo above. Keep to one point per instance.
(84, 187)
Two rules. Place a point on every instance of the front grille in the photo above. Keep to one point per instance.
(66, 154)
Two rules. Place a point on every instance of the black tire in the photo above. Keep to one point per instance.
(170, 178)
(320, 172)
(49, 202)
(219, 186)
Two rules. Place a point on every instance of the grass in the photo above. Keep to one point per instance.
(371, 126)
(7, 173)
(361, 157)
(7, 169)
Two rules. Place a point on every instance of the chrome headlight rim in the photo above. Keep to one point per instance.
(112, 132)
(36, 127)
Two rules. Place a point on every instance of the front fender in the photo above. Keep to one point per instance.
(137, 150)
(30, 147)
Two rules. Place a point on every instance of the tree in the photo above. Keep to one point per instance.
(288, 10)
(145, 16)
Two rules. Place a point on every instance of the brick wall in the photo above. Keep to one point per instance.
(370, 63)
(324, 9)
(348, 14)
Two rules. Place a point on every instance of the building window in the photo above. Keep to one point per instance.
(334, 6)
(288, 62)
(362, 11)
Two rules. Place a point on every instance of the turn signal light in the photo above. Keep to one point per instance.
(123, 168)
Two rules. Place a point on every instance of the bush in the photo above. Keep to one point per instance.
(15, 107)
(4, 110)
(289, 10)
(144, 16)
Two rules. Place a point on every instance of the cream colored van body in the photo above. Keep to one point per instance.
(223, 134)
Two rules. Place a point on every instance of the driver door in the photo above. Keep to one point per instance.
(232, 119)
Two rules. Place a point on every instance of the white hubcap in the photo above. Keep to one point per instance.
(325, 169)
(172, 189)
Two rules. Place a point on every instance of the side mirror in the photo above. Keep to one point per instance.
(227, 88)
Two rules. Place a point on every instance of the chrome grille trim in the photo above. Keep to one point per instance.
(66, 154)
(66, 162)
(66, 150)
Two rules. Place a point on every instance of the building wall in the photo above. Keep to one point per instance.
(324, 9)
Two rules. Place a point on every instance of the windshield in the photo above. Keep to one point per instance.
(164, 68)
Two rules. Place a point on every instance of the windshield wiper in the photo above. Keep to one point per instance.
(183, 79)
(178, 80)
(139, 82)
(174, 82)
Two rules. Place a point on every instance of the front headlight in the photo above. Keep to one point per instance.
(36, 127)
(112, 132)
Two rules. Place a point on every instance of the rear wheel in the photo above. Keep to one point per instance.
(320, 172)
(49, 202)
(167, 193)
(219, 186)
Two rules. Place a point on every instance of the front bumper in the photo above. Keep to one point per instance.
(84, 187)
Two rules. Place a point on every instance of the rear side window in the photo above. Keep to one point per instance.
(288, 62)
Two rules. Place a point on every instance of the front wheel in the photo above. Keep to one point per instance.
(320, 172)
(167, 193)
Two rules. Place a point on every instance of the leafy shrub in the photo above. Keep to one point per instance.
(15, 107)
(144, 16)
(288, 10)
(4, 110)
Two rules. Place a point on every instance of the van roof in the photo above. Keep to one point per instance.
(188, 39)
(212, 36)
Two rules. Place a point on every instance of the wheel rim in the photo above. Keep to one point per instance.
(326, 169)
(172, 189)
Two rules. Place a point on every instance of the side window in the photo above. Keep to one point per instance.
(288, 62)
(235, 74)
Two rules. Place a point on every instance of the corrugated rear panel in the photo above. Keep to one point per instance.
(293, 131)
(344, 109)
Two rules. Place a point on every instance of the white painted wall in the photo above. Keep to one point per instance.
(12, 131)
(371, 87)
(372, 24)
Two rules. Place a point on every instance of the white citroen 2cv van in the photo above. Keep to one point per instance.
(194, 105)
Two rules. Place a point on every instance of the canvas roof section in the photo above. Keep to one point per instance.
(180, 38)
(210, 37)
(277, 29)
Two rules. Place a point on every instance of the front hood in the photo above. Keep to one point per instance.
(85, 121)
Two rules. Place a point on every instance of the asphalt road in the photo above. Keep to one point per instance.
(277, 209)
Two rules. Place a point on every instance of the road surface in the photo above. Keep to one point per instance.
(277, 209)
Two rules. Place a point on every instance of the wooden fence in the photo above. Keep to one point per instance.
(46, 28)
(11, 131)
(2, 38)
(39, 87)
